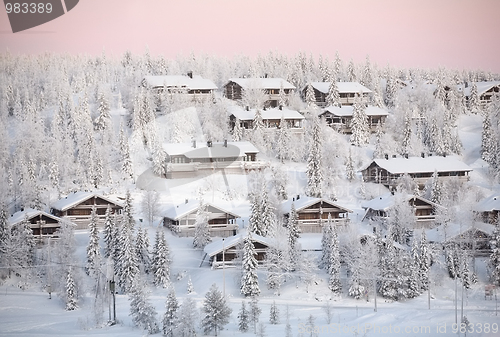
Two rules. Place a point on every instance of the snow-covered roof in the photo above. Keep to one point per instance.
(262, 83)
(489, 204)
(482, 87)
(304, 202)
(179, 211)
(179, 81)
(420, 165)
(386, 201)
(346, 111)
(446, 233)
(275, 113)
(76, 198)
(218, 246)
(344, 87)
(30, 213)
(217, 150)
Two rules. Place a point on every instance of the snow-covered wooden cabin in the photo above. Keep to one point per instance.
(181, 219)
(77, 207)
(379, 208)
(43, 224)
(347, 92)
(270, 117)
(312, 213)
(186, 160)
(340, 117)
(475, 237)
(489, 208)
(193, 86)
(270, 87)
(223, 252)
(388, 171)
(485, 91)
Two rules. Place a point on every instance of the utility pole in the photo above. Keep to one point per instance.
(49, 287)
(456, 300)
(375, 293)
(223, 270)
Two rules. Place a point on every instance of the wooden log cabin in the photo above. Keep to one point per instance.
(187, 160)
(181, 219)
(488, 209)
(312, 213)
(43, 225)
(388, 171)
(485, 90)
(193, 86)
(340, 118)
(424, 210)
(270, 117)
(224, 252)
(347, 92)
(77, 207)
(270, 87)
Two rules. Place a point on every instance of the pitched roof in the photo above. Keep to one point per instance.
(420, 165)
(275, 113)
(262, 83)
(489, 204)
(191, 206)
(446, 233)
(386, 201)
(482, 87)
(77, 198)
(30, 213)
(304, 202)
(344, 87)
(218, 246)
(347, 110)
(217, 150)
(179, 81)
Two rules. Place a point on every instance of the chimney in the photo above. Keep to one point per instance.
(225, 142)
(422, 154)
(186, 201)
(386, 156)
(194, 143)
(466, 84)
(281, 107)
(393, 156)
(190, 74)
(265, 75)
(406, 155)
(298, 196)
(209, 143)
(247, 108)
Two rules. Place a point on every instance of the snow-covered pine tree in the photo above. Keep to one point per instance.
(474, 99)
(282, 98)
(109, 231)
(283, 138)
(424, 262)
(128, 218)
(258, 122)
(4, 234)
(216, 311)
(435, 195)
(310, 97)
(450, 261)
(254, 312)
(158, 156)
(190, 288)
(128, 265)
(351, 71)
(186, 319)
(350, 173)
(126, 166)
(171, 314)
(314, 162)
(237, 131)
(71, 296)
(160, 264)
(494, 259)
(407, 132)
(249, 279)
(334, 283)
(142, 250)
(488, 143)
(243, 318)
(201, 228)
(268, 221)
(102, 121)
(326, 241)
(359, 124)
(143, 313)
(465, 270)
(93, 249)
(389, 273)
(333, 97)
(274, 314)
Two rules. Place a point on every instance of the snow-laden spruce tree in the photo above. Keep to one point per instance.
(254, 312)
(171, 314)
(126, 161)
(127, 262)
(93, 249)
(216, 311)
(249, 279)
(333, 97)
(474, 99)
(186, 319)
(143, 313)
(435, 189)
(128, 217)
(201, 228)
(292, 225)
(71, 296)
(391, 280)
(326, 241)
(401, 218)
(110, 241)
(424, 259)
(160, 264)
(360, 130)
(237, 131)
(350, 172)
(243, 318)
(494, 258)
(274, 314)
(310, 97)
(103, 120)
(314, 161)
(142, 250)
(283, 140)
(4, 234)
(333, 269)
(268, 217)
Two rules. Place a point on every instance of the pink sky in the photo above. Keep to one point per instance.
(403, 33)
